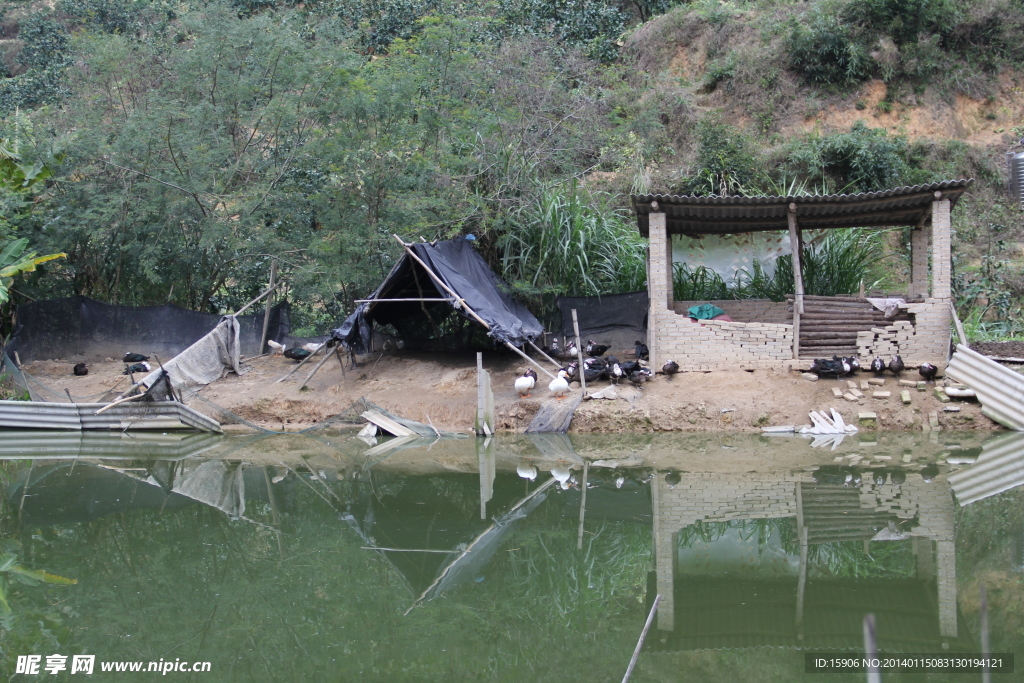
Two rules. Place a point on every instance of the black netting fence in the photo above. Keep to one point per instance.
(617, 319)
(79, 327)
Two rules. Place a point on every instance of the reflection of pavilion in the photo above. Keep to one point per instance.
(706, 611)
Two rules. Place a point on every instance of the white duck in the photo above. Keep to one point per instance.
(560, 385)
(526, 471)
(278, 348)
(312, 347)
(526, 382)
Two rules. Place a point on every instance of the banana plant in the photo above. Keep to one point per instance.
(14, 261)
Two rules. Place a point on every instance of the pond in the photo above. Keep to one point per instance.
(326, 557)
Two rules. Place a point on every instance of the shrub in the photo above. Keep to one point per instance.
(725, 164)
(829, 51)
(903, 20)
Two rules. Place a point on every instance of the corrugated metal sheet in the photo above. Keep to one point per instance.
(16, 444)
(75, 416)
(999, 389)
(902, 206)
(1000, 467)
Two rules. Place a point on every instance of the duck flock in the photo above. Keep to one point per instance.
(596, 367)
(844, 367)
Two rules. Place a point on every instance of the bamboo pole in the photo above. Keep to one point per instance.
(266, 313)
(541, 352)
(337, 352)
(408, 550)
(118, 401)
(583, 505)
(301, 363)
(319, 365)
(440, 282)
(244, 308)
(530, 360)
(871, 648)
(408, 299)
(579, 352)
(643, 636)
(986, 671)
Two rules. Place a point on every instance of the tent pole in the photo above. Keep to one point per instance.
(579, 353)
(441, 283)
(538, 350)
(539, 366)
(244, 308)
(327, 357)
(302, 362)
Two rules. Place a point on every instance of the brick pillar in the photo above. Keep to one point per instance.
(919, 248)
(665, 554)
(942, 266)
(659, 278)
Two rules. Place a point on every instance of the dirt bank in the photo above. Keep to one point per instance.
(441, 388)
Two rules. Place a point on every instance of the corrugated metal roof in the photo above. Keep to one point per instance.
(898, 207)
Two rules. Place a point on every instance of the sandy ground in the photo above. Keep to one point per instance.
(441, 389)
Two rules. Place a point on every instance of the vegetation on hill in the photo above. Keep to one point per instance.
(186, 145)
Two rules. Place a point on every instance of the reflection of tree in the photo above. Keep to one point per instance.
(195, 584)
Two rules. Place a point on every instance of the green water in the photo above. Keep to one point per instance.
(301, 558)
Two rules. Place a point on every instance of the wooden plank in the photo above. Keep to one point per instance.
(798, 277)
(387, 424)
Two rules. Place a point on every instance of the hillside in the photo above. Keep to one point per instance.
(185, 146)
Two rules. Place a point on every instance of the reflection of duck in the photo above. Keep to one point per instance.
(563, 476)
(929, 472)
(672, 479)
(526, 471)
(879, 476)
(899, 476)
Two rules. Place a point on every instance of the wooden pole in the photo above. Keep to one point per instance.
(871, 648)
(579, 352)
(961, 335)
(479, 394)
(244, 308)
(115, 402)
(986, 671)
(798, 278)
(327, 357)
(337, 352)
(643, 635)
(541, 352)
(301, 363)
(269, 302)
(408, 299)
(530, 360)
(583, 505)
(440, 282)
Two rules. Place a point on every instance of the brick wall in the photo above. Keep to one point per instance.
(746, 310)
(708, 344)
(925, 340)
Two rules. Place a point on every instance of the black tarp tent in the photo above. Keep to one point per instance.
(463, 271)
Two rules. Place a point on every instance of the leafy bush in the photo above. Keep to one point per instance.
(904, 20)
(725, 164)
(595, 26)
(828, 50)
(863, 159)
(45, 54)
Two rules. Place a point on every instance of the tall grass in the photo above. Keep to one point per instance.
(573, 242)
(836, 263)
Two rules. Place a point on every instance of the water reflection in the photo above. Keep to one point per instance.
(752, 541)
